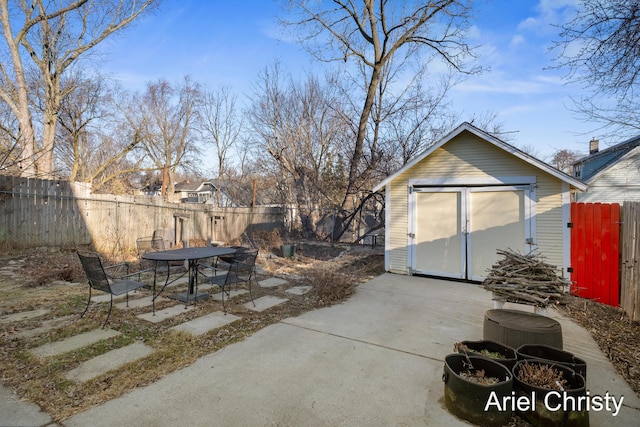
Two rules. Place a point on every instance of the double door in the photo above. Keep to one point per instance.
(455, 231)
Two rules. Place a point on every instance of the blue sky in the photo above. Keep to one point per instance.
(230, 42)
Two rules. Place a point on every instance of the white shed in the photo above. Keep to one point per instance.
(450, 208)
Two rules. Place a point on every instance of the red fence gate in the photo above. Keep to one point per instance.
(595, 251)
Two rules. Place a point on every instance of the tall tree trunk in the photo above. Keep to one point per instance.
(362, 133)
(45, 157)
(304, 211)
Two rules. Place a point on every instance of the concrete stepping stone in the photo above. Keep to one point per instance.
(272, 282)
(299, 290)
(73, 343)
(102, 297)
(218, 296)
(15, 411)
(136, 303)
(46, 326)
(204, 324)
(165, 313)
(108, 361)
(265, 302)
(24, 315)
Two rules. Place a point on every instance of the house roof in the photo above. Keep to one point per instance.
(595, 164)
(467, 127)
(192, 186)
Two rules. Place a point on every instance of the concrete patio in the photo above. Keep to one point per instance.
(376, 359)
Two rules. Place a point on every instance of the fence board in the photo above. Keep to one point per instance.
(595, 251)
(614, 252)
(630, 270)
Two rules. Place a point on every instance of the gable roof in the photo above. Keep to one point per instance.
(468, 127)
(194, 186)
(594, 165)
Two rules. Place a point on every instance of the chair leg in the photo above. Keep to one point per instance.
(223, 307)
(109, 313)
(88, 302)
(251, 293)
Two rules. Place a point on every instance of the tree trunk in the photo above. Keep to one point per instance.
(304, 211)
(362, 132)
(45, 157)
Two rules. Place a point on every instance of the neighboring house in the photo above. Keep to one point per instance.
(152, 190)
(203, 192)
(613, 174)
(207, 192)
(450, 208)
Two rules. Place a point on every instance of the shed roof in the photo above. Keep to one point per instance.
(468, 127)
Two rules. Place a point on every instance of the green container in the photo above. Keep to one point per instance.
(552, 355)
(475, 348)
(548, 411)
(288, 250)
(467, 399)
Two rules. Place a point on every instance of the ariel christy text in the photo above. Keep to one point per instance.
(555, 401)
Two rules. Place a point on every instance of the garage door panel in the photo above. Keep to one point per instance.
(496, 221)
(438, 234)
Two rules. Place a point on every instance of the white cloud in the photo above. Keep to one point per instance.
(517, 40)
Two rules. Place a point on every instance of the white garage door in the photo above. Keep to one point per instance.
(439, 239)
(458, 230)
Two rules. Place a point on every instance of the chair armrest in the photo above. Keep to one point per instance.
(236, 263)
(118, 268)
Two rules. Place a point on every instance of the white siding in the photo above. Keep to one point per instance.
(619, 183)
(468, 156)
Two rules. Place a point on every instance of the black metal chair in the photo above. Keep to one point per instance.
(154, 244)
(148, 244)
(112, 283)
(223, 261)
(239, 268)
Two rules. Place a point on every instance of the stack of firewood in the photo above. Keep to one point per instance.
(525, 279)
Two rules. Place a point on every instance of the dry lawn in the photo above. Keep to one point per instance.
(55, 281)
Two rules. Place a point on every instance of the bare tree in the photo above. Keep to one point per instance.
(166, 124)
(600, 47)
(95, 138)
(48, 38)
(564, 159)
(10, 159)
(299, 128)
(86, 105)
(221, 126)
(373, 33)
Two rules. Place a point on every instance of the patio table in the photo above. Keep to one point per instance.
(191, 256)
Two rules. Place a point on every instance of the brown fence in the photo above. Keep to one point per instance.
(35, 212)
(629, 268)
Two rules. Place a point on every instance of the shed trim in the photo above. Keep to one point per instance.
(467, 127)
(471, 181)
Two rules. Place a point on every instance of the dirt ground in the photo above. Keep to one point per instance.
(44, 276)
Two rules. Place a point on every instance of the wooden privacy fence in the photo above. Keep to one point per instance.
(605, 247)
(629, 268)
(595, 244)
(35, 212)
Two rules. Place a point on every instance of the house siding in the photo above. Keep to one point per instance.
(619, 183)
(468, 156)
